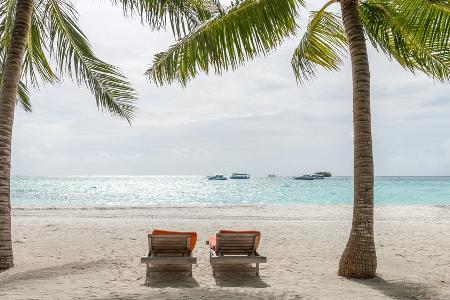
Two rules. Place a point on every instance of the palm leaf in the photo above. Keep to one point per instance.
(182, 15)
(7, 12)
(247, 29)
(429, 18)
(36, 66)
(23, 97)
(323, 44)
(410, 37)
(23, 94)
(72, 52)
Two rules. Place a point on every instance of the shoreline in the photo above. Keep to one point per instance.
(157, 206)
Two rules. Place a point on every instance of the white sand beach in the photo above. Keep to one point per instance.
(74, 253)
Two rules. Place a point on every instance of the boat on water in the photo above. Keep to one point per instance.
(323, 174)
(309, 177)
(239, 176)
(272, 175)
(304, 177)
(217, 177)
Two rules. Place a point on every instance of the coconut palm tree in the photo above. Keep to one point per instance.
(415, 33)
(34, 35)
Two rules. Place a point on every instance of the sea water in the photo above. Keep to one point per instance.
(198, 190)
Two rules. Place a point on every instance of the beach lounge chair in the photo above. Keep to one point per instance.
(170, 248)
(235, 247)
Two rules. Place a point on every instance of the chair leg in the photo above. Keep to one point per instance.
(190, 271)
(257, 270)
(147, 271)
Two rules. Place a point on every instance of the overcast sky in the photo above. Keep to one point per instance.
(254, 120)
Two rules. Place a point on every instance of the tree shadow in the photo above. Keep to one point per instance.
(53, 272)
(402, 290)
(237, 276)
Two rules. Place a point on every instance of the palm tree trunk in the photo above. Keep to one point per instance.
(8, 94)
(359, 259)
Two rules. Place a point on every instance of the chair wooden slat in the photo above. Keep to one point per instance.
(236, 248)
(168, 249)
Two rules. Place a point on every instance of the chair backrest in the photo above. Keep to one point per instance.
(236, 244)
(169, 244)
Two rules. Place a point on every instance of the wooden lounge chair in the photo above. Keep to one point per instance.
(169, 248)
(235, 247)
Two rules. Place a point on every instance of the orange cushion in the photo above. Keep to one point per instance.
(192, 234)
(212, 240)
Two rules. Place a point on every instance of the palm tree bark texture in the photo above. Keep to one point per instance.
(8, 95)
(359, 257)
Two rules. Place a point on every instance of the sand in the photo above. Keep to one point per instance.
(81, 253)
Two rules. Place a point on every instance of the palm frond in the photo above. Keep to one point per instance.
(323, 44)
(415, 40)
(23, 94)
(248, 29)
(72, 52)
(23, 97)
(182, 15)
(7, 12)
(219, 6)
(36, 66)
(429, 18)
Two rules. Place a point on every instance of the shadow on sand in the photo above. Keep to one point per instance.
(173, 280)
(203, 293)
(402, 290)
(238, 276)
(52, 272)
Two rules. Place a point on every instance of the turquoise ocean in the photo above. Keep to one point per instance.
(199, 191)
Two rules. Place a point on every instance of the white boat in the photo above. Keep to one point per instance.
(239, 176)
(323, 174)
(304, 177)
(217, 177)
(309, 177)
